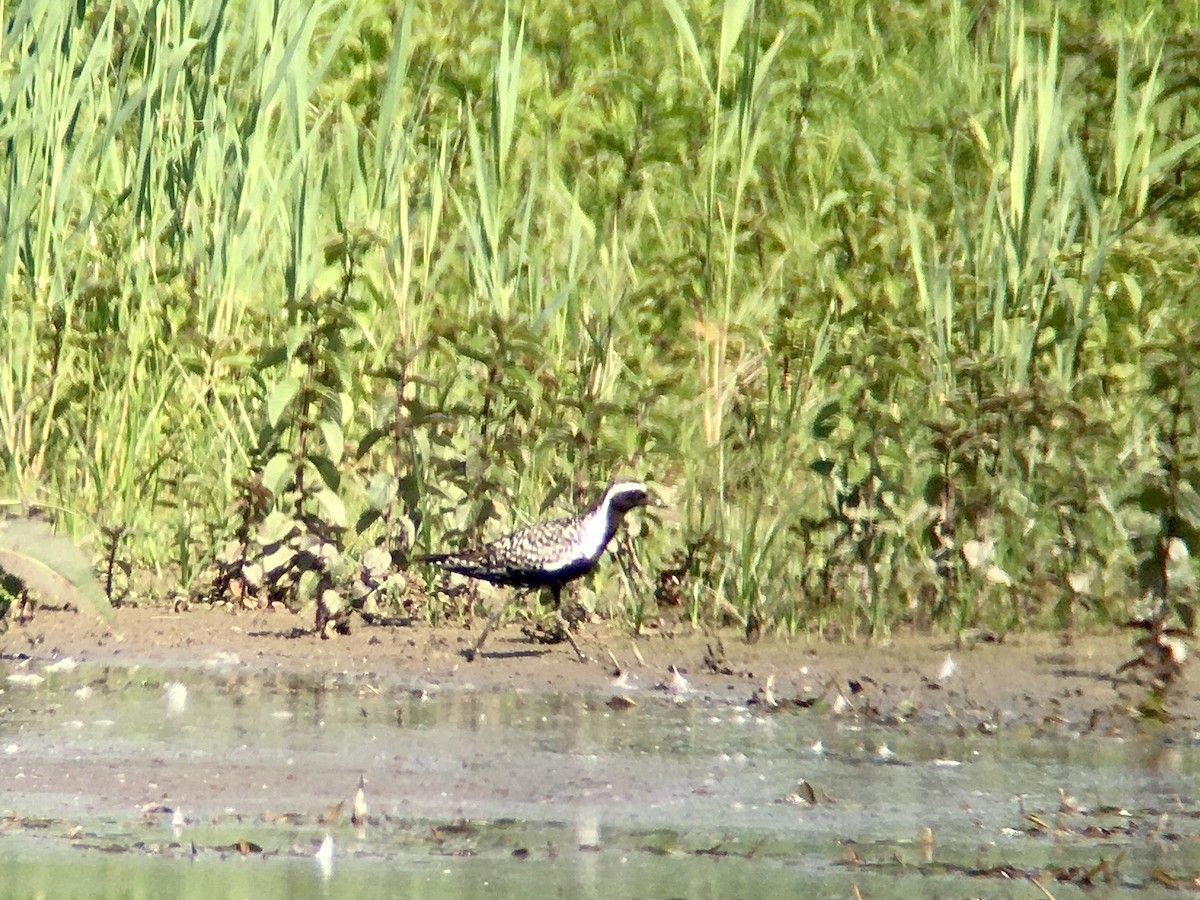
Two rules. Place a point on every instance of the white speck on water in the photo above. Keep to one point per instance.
(621, 682)
(177, 698)
(324, 856)
(679, 684)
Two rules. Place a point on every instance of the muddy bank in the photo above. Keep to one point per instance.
(186, 744)
(1030, 679)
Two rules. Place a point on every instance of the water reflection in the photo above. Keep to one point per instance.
(696, 796)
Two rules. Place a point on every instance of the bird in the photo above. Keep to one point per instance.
(547, 554)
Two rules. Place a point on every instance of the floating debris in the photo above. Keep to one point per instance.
(768, 694)
(925, 839)
(715, 661)
(1067, 804)
(990, 726)
(324, 856)
(587, 831)
(637, 654)
(333, 816)
(766, 698)
(177, 698)
(677, 685)
(804, 795)
(358, 815)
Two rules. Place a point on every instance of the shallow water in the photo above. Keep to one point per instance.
(225, 782)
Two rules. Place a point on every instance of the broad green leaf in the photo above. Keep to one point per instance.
(825, 421)
(335, 441)
(277, 528)
(377, 561)
(277, 559)
(327, 470)
(823, 467)
(1153, 499)
(368, 518)
(50, 565)
(331, 601)
(368, 440)
(381, 490)
(335, 510)
(278, 472)
(281, 396)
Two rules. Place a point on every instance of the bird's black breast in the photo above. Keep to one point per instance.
(512, 576)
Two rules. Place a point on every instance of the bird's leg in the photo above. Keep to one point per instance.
(562, 622)
(566, 630)
(492, 620)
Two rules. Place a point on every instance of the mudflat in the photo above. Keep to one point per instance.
(1031, 679)
(206, 736)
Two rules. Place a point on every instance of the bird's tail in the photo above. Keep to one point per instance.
(449, 560)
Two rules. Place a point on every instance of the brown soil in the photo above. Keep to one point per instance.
(1028, 678)
(1026, 686)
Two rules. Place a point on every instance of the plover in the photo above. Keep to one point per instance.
(547, 554)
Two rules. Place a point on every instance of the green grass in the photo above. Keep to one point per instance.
(850, 288)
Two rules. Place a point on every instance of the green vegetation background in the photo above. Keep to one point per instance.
(894, 304)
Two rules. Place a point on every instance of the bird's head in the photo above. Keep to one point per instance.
(623, 496)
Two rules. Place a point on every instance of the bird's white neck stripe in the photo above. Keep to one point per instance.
(596, 532)
(594, 535)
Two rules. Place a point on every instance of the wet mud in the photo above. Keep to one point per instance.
(237, 746)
